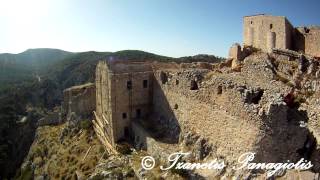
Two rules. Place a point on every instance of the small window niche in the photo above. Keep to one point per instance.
(138, 113)
(194, 85)
(163, 77)
(271, 26)
(129, 85)
(219, 90)
(251, 22)
(145, 83)
(124, 115)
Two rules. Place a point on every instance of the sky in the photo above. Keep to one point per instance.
(167, 27)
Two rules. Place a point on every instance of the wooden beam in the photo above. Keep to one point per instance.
(105, 141)
(98, 127)
(105, 119)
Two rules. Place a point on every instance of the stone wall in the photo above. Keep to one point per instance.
(264, 31)
(143, 140)
(130, 103)
(196, 112)
(307, 39)
(53, 118)
(235, 52)
(79, 101)
(123, 93)
(103, 102)
(229, 114)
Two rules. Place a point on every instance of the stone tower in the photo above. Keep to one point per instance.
(123, 94)
(266, 32)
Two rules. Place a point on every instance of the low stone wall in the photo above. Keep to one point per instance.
(144, 141)
(53, 118)
(79, 101)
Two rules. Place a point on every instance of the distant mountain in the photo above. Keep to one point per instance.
(15, 68)
(80, 67)
(62, 69)
(34, 57)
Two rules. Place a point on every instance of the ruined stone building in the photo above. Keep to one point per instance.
(210, 109)
(79, 102)
(124, 93)
(308, 40)
(266, 32)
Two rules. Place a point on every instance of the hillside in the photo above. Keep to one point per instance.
(59, 157)
(80, 67)
(38, 76)
(15, 68)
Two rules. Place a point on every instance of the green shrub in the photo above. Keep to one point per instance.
(85, 124)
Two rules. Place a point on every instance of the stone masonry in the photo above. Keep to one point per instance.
(124, 93)
(79, 102)
(266, 32)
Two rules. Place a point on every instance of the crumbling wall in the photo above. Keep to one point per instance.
(235, 52)
(103, 123)
(143, 140)
(307, 40)
(196, 112)
(79, 101)
(53, 118)
(230, 114)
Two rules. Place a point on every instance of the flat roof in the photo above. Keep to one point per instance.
(255, 15)
(263, 15)
(119, 67)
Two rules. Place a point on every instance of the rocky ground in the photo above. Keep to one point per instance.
(57, 153)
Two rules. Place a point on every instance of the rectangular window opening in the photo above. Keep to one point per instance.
(124, 115)
(129, 85)
(145, 83)
(138, 113)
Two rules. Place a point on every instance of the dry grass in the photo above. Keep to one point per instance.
(211, 74)
(61, 161)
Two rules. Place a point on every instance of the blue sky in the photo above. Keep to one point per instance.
(167, 27)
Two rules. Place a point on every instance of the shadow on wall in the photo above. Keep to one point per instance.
(298, 41)
(287, 139)
(163, 117)
(161, 125)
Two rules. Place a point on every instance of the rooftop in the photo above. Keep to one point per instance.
(266, 15)
(119, 67)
